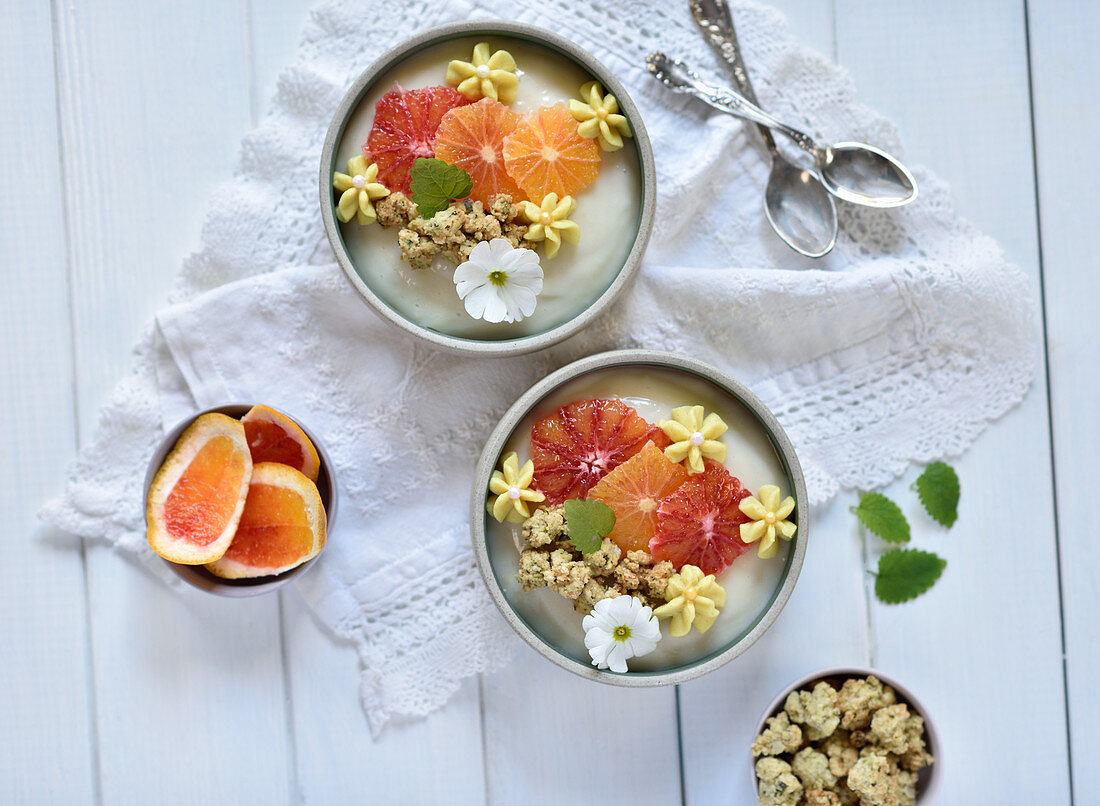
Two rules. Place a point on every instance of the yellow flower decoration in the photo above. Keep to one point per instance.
(769, 518)
(485, 75)
(510, 484)
(550, 222)
(694, 437)
(359, 189)
(693, 599)
(599, 118)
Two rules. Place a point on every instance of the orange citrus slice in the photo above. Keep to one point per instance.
(472, 137)
(634, 490)
(198, 494)
(282, 526)
(274, 437)
(545, 154)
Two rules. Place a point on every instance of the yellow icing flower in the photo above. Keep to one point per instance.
(550, 222)
(359, 189)
(599, 118)
(510, 485)
(694, 437)
(485, 75)
(769, 518)
(692, 599)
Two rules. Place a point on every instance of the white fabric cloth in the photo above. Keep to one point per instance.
(900, 346)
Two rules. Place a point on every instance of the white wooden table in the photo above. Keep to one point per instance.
(117, 120)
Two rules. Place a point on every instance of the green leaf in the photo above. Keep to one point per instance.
(904, 574)
(435, 184)
(588, 522)
(938, 488)
(883, 517)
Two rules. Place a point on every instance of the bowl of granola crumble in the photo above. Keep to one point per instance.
(639, 518)
(479, 134)
(846, 735)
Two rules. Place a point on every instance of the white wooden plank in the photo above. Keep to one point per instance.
(432, 760)
(189, 689)
(1065, 69)
(45, 734)
(982, 649)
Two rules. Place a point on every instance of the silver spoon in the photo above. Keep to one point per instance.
(797, 204)
(853, 172)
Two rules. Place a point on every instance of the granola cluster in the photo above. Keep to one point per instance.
(854, 747)
(452, 232)
(551, 561)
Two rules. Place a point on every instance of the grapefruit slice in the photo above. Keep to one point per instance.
(700, 523)
(274, 437)
(405, 124)
(198, 494)
(282, 526)
(472, 137)
(634, 490)
(546, 154)
(583, 441)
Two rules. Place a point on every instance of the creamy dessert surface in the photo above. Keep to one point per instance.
(750, 583)
(607, 210)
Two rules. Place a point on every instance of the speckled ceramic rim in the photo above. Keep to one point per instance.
(517, 30)
(928, 786)
(199, 577)
(660, 360)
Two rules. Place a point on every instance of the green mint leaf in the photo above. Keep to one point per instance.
(588, 522)
(938, 488)
(435, 184)
(904, 574)
(883, 517)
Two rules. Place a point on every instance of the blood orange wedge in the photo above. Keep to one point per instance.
(472, 137)
(545, 154)
(405, 124)
(583, 441)
(274, 437)
(283, 525)
(699, 524)
(634, 490)
(196, 498)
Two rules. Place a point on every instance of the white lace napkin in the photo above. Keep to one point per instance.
(900, 346)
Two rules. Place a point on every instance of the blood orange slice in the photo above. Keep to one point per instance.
(472, 137)
(198, 494)
(634, 490)
(545, 154)
(405, 125)
(282, 526)
(274, 437)
(583, 441)
(699, 524)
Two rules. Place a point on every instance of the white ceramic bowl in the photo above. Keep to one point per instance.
(930, 778)
(486, 557)
(362, 87)
(196, 575)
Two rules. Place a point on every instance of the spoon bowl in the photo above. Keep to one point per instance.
(800, 209)
(862, 174)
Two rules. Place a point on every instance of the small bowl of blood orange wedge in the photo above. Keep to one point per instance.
(573, 426)
(239, 499)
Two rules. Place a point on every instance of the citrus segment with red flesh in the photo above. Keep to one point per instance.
(700, 523)
(282, 526)
(472, 137)
(634, 490)
(405, 125)
(274, 437)
(198, 494)
(545, 154)
(581, 442)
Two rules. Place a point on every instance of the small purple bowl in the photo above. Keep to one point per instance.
(930, 778)
(196, 575)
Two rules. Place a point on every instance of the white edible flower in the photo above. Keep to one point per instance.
(618, 629)
(499, 283)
